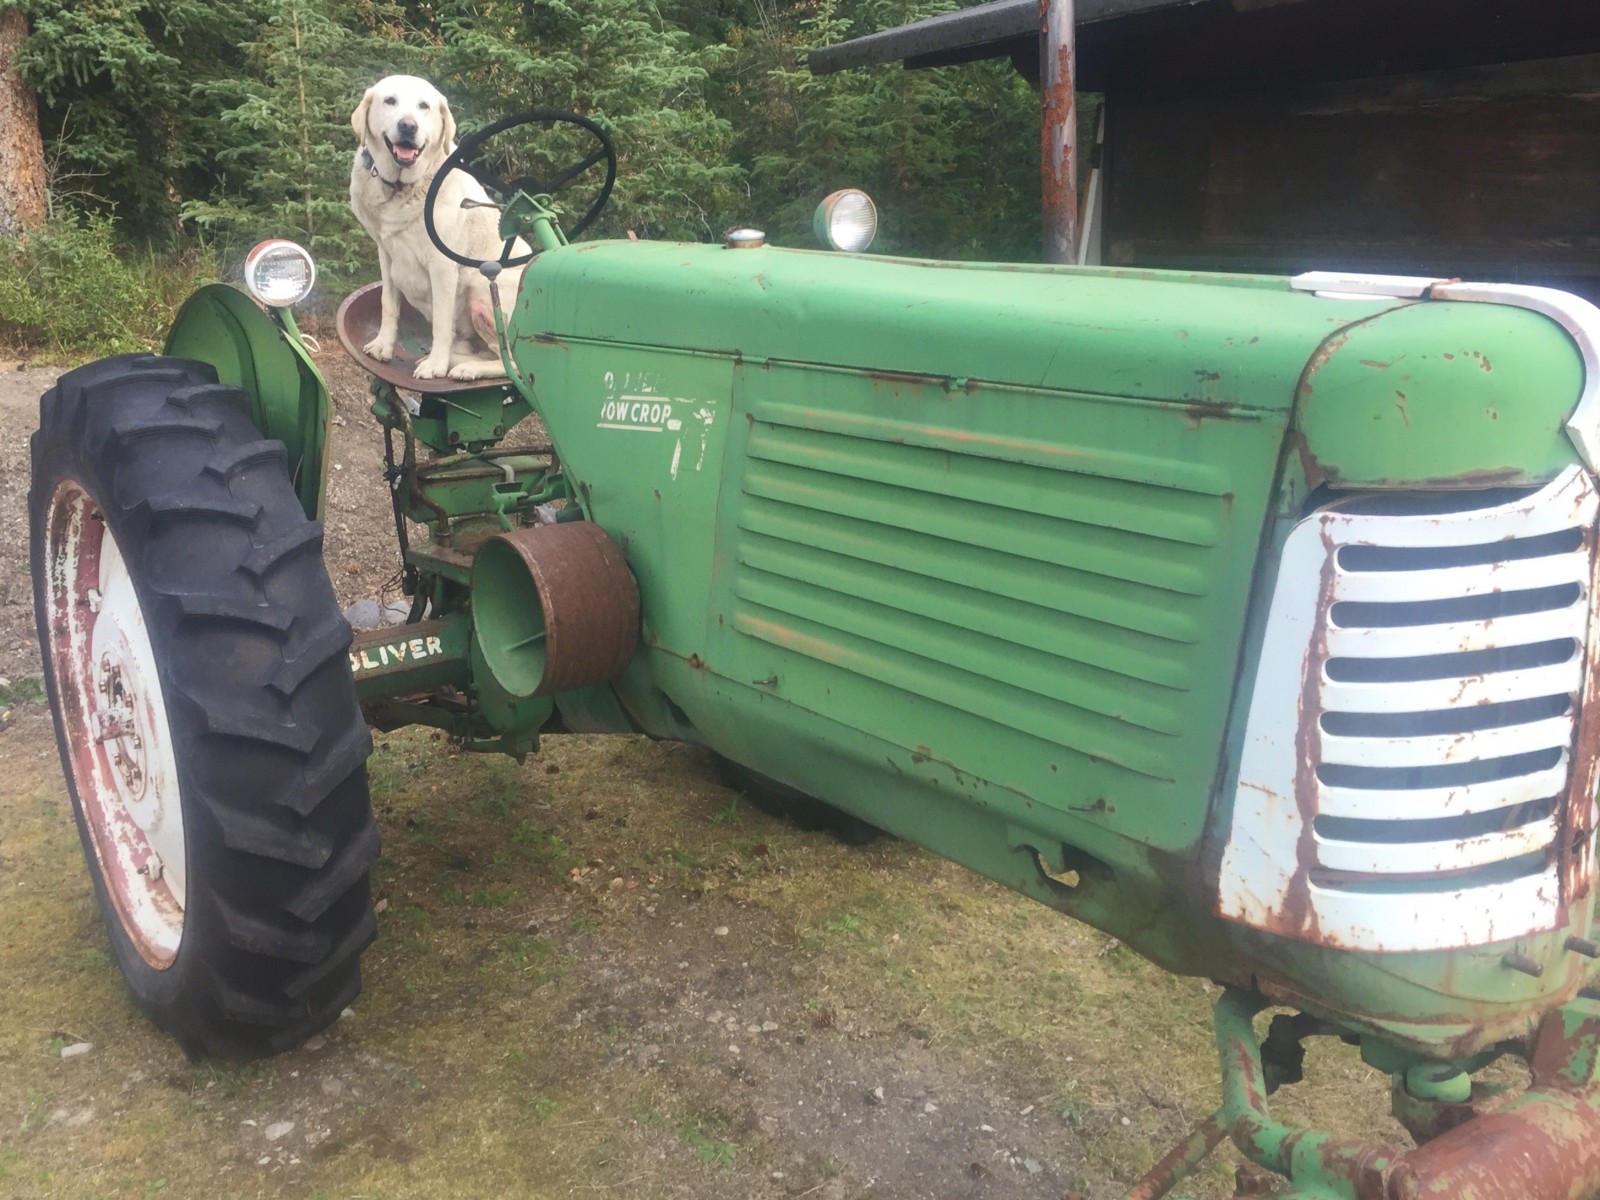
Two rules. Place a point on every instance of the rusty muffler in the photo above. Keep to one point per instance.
(554, 608)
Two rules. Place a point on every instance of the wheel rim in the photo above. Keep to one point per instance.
(114, 719)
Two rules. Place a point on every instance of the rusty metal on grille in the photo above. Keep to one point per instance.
(1431, 740)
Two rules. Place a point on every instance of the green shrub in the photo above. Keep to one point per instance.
(67, 289)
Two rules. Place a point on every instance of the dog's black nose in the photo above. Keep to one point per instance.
(407, 127)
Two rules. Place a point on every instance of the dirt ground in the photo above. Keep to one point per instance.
(599, 973)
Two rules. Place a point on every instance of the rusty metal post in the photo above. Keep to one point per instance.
(1058, 130)
(1180, 1162)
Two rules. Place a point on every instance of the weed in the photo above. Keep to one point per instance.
(727, 816)
(685, 858)
(542, 1108)
(827, 1167)
(701, 1133)
(27, 690)
(494, 897)
(502, 790)
(848, 923)
(89, 958)
(234, 1079)
(34, 1118)
(532, 957)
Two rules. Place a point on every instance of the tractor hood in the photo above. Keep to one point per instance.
(1214, 340)
(1382, 391)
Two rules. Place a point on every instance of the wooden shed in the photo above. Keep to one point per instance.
(1439, 137)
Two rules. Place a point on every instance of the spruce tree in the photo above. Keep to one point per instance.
(949, 155)
(614, 61)
(114, 80)
(285, 169)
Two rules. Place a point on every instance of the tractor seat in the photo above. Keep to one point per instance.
(358, 320)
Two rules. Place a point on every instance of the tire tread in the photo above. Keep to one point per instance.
(270, 748)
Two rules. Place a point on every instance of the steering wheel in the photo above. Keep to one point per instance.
(533, 185)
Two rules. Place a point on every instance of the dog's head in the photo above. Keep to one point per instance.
(405, 119)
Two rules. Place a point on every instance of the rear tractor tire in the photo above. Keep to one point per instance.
(207, 721)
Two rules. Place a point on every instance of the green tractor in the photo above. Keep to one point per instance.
(1246, 619)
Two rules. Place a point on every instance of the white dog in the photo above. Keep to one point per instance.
(406, 132)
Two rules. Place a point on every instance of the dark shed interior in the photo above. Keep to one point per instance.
(1438, 137)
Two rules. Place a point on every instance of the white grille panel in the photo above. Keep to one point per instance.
(1421, 804)
(1436, 695)
(1406, 787)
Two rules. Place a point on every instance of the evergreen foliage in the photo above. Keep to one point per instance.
(285, 168)
(950, 156)
(614, 61)
(225, 121)
(115, 80)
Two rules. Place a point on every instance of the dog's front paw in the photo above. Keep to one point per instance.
(432, 367)
(380, 347)
(474, 369)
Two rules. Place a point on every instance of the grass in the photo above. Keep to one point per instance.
(69, 291)
(535, 1015)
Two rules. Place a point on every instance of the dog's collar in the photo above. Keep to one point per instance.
(394, 185)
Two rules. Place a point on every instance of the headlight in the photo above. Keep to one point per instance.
(846, 220)
(279, 273)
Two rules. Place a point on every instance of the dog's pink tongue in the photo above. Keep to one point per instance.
(405, 154)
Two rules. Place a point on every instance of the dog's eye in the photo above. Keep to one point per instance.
(389, 100)
(423, 104)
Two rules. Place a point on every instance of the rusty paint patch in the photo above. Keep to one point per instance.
(1540, 1147)
(589, 599)
(1298, 917)
(1321, 358)
(1058, 133)
(897, 379)
(1577, 864)
(1179, 1162)
(114, 724)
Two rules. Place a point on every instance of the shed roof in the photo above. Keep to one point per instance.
(1185, 46)
(964, 34)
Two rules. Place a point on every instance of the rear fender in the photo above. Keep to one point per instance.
(261, 352)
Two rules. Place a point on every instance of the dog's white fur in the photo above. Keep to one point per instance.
(387, 188)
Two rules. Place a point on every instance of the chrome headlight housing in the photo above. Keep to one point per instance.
(279, 273)
(846, 220)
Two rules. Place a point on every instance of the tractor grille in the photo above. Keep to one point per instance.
(1408, 787)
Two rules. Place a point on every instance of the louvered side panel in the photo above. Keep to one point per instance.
(1056, 617)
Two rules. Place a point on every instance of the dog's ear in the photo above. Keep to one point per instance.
(449, 123)
(358, 119)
